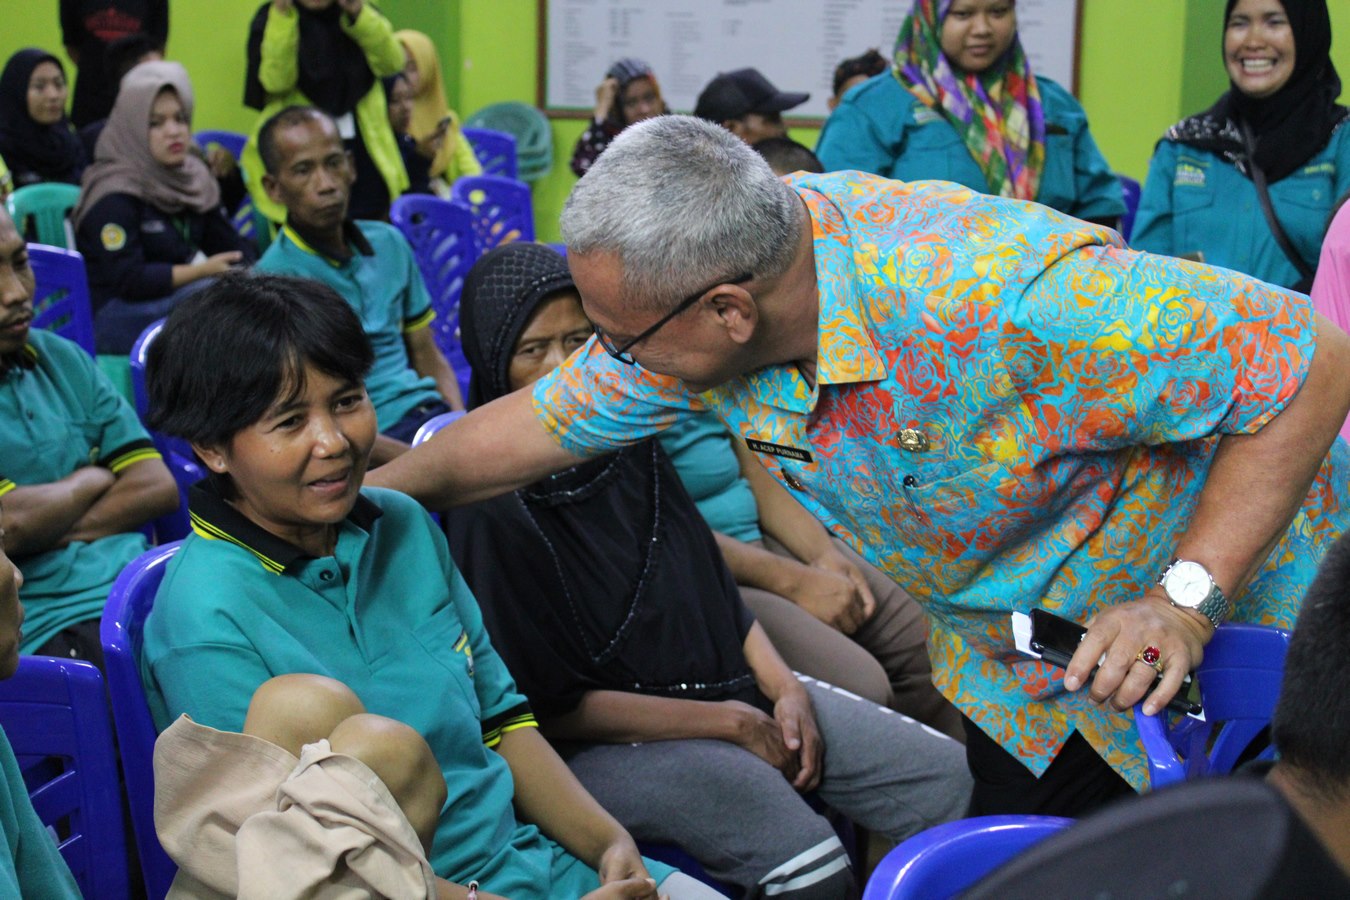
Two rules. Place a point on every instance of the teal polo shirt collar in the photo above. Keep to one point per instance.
(350, 233)
(214, 518)
(846, 352)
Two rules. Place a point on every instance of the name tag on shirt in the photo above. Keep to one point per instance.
(779, 450)
(346, 126)
(153, 226)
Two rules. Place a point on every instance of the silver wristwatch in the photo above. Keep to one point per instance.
(1190, 586)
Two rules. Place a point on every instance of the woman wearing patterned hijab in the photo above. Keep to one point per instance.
(628, 94)
(961, 104)
(1278, 124)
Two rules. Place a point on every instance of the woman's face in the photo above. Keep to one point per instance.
(170, 133)
(46, 93)
(297, 470)
(557, 328)
(1258, 47)
(641, 100)
(400, 106)
(976, 33)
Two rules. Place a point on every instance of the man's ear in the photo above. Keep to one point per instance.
(269, 183)
(736, 311)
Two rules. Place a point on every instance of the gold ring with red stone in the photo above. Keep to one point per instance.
(1152, 657)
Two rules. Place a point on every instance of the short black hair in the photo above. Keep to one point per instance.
(228, 352)
(122, 55)
(784, 156)
(1311, 727)
(286, 118)
(869, 64)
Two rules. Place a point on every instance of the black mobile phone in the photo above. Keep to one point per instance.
(1056, 639)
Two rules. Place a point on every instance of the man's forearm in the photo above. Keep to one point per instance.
(39, 517)
(142, 492)
(617, 717)
(780, 515)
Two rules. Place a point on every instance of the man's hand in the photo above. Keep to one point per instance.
(628, 887)
(763, 736)
(1121, 633)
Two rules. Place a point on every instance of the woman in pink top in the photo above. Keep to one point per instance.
(1331, 287)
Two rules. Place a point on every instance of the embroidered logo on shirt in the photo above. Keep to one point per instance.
(1193, 176)
(1322, 168)
(778, 450)
(114, 237)
(925, 114)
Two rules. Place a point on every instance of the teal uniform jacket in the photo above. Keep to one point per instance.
(31, 867)
(1197, 202)
(881, 128)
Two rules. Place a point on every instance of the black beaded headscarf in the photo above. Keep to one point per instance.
(501, 292)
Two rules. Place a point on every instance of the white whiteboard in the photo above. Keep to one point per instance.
(795, 43)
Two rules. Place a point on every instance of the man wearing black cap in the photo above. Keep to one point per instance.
(747, 104)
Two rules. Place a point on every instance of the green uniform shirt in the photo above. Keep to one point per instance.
(880, 127)
(32, 868)
(1197, 202)
(389, 616)
(60, 413)
(383, 285)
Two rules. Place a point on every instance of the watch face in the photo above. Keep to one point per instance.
(1188, 584)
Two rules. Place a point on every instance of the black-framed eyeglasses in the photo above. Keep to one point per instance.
(621, 352)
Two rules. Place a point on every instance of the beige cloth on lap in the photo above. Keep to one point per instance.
(244, 818)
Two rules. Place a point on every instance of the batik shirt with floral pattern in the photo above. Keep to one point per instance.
(1069, 392)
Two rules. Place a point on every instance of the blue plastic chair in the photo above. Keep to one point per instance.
(496, 151)
(446, 246)
(56, 718)
(129, 602)
(947, 859)
(41, 212)
(1132, 191)
(62, 301)
(1240, 680)
(178, 456)
(502, 210)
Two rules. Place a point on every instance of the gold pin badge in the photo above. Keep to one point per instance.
(913, 440)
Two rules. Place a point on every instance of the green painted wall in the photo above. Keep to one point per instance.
(1144, 64)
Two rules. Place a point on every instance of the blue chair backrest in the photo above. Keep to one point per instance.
(62, 301)
(129, 602)
(496, 151)
(232, 141)
(55, 715)
(502, 210)
(1240, 680)
(947, 859)
(178, 456)
(41, 212)
(445, 246)
(1132, 191)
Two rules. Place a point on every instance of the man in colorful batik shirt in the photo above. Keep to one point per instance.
(1000, 406)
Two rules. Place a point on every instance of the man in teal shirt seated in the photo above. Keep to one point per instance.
(78, 473)
(368, 263)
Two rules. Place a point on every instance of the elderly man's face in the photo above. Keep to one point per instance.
(690, 347)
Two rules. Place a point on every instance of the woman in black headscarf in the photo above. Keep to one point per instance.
(604, 591)
(330, 54)
(1250, 184)
(37, 141)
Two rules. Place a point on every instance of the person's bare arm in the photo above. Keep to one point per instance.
(549, 795)
(143, 491)
(428, 361)
(38, 517)
(386, 449)
(791, 709)
(496, 448)
(1256, 484)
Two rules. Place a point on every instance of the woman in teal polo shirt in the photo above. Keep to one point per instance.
(293, 568)
(1279, 122)
(962, 105)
